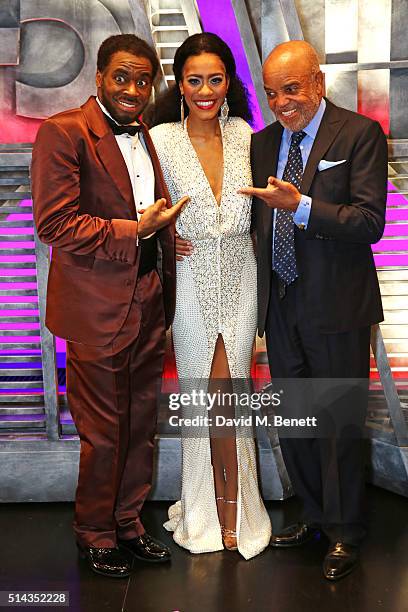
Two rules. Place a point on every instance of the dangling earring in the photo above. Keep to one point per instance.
(182, 115)
(224, 113)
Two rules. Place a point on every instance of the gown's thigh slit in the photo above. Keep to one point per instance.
(222, 439)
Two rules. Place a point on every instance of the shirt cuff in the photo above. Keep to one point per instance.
(302, 213)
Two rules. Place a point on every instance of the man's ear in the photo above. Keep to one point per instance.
(320, 82)
(98, 78)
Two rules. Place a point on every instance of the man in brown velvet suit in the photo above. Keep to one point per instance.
(95, 179)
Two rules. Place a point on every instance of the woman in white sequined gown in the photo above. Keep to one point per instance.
(214, 328)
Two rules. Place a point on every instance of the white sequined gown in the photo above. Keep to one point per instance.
(216, 294)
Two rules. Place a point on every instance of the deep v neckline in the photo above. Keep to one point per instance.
(204, 176)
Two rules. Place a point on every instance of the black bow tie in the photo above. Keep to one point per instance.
(132, 130)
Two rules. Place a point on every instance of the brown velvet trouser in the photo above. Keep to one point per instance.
(112, 394)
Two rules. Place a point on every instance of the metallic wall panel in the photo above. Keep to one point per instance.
(274, 30)
(9, 46)
(399, 38)
(374, 34)
(252, 56)
(67, 74)
(341, 27)
(399, 104)
(312, 20)
(341, 88)
(254, 8)
(34, 102)
(291, 18)
(374, 31)
(52, 54)
(9, 13)
(374, 89)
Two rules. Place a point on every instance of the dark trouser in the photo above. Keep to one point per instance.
(112, 394)
(327, 472)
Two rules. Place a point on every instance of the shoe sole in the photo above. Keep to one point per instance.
(291, 545)
(139, 558)
(83, 557)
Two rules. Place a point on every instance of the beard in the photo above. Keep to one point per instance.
(122, 117)
(305, 111)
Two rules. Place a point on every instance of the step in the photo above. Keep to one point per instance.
(17, 251)
(15, 146)
(17, 265)
(168, 45)
(18, 305)
(391, 290)
(400, 274)
(20, 345)
(167, 11)
(21, 384)
(389, 245)
(22, 333)
(15, 195)
(173, 28)
(395, 302)
(20, 410)
(15, 180)
(22, 398)
(32, 421)
(394, 332)
(16, 293)
(19, 371)
(16, 237)
(18, 319)
(11, 224)
(15, 210)
(20, 359)
(17, 279)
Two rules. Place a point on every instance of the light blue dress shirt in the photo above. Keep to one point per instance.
(302, 213)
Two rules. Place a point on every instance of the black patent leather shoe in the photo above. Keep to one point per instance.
(106, 561)
(341, 559)
(295, 535)
(146, 548)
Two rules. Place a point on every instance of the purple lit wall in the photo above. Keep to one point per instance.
(227, 28)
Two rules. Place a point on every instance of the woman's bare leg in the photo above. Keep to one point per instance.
(223, 443)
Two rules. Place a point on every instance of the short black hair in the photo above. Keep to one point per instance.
(126, 42)
(167, 106)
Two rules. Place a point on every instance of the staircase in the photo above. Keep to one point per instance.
(171, 22)
(26, 346)
(391, 258)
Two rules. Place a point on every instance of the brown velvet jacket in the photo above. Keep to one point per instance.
(84, 208)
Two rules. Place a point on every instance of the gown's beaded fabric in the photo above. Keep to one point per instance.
(216, 294)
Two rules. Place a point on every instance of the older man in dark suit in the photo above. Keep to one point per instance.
(96, 177)
(325, 171)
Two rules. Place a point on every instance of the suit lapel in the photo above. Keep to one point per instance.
(269, 165)
(161, 190)
(330, 125)
(109, 153)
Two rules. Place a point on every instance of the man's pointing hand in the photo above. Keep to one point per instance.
(158, 215)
